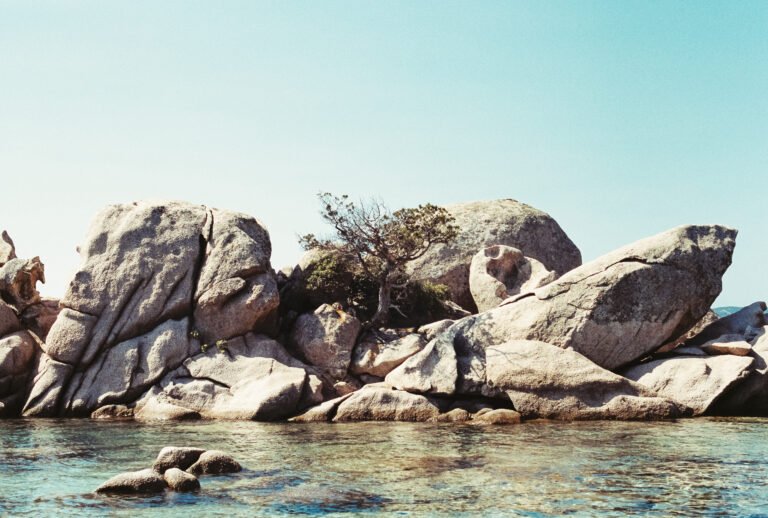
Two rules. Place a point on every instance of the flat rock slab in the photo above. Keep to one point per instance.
(694, 382)
(145, 481)
(729, 344)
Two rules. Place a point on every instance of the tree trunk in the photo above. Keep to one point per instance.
(381, 318)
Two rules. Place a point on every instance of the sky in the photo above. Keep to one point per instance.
(620, 119)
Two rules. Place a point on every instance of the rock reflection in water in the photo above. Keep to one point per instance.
(702, 466)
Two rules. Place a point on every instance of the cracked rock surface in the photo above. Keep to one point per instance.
(154, 278)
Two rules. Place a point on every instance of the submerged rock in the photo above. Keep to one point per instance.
(498, 416)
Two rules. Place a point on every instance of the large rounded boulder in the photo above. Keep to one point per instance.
(498, 222)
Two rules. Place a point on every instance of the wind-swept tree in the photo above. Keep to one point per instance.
(381, 241)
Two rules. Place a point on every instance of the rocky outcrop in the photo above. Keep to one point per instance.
(499, 222)
(157, 279)
(542, 380)
(498, 272)
(325, 338)
(696, 382)
(614, 310)
(253, 378)
(379, 353)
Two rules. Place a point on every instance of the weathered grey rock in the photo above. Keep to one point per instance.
(694, 382)
(145, 481)
(7, 248)
(542, 380)
(214, 462)
(176, 457)
(498, 272)
(734, 324)
(435, 328)
(180, 481)
(9, 321)
(255, 378)
(326, 338)
(728, 344)
(378, 356)
(498, 416)
(383, 403)
(613, 310)
(237, 291)
(129, 369)
(39, 317)
(18, 281)
(148, 269)
(709, 317)
(485, 223)
(431, 370)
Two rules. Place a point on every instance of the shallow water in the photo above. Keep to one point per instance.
(687, 467)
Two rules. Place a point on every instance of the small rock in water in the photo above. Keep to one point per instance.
(175, 457)
(143, 481)
(181, 481)
(214, 462)
(453, 416)
(498, 416)
(112, 412)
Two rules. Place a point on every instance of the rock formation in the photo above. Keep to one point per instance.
(499, 222)
(155, 277)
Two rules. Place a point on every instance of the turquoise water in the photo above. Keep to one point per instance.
(688, 467)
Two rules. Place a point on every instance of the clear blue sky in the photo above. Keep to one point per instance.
(621, 119)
